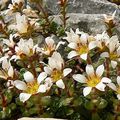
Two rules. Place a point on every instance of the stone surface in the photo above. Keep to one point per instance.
(84, 6)
(90, 23)
(25, 118)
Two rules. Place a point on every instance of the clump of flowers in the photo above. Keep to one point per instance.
(75, 77)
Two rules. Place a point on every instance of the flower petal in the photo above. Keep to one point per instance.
(84, 56)
(100, 86)
(92, 45)
(5, 63)
(20, 85)
(89, 70)
(41, 77)
(87, 91)
(28, 76)
(66, 71)
(42, 89)
(104, 54)
(48, 70)
(112, 86)
(60, 84)
(113, 64)
(118, 80)
(79, 78)
(72, 45)
(118, 96)
(106, 80)
(72, 54)
(10, 72)
(100, 70)
(24, 97)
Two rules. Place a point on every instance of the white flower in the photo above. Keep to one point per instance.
(16, 4)
(93, 79)
(21, 23)
(113, 51)
(10, 42)
(116, 88)
(72, 36)
(17, 1)
(32, 86)
(81, 45)
(25, 49)
(110, 17)
(7, 71)
(50, 46)
(102, 40)
(56, 69)
(28, 11)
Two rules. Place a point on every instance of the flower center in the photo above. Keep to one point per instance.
(92, 81)
(48, 48)
(113, 56)
(32, 87)
(56, 75)
(82, 49)
(118, 90)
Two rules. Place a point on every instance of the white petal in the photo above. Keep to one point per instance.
(60, 84)
(52, 63)
(41, 77)
(92, 45)
(20, 85)
(84, 38)
(100, 70)
(87, 91)
(49, 41)
(56, 61)
(48, 83)
(48, 70)
(80, 78)
(30, 43)
(28, 76)
(84, 56)
(72, 54)
(118, 80)
(106, 80)
(104, 54)
(112, 86)
(10, 71)
(113, 64)
(72, 45)
(66, 71)
(100, 86)
(89, 70)
(24, 97)
(118, 96)
(5, 64)
(42, 89)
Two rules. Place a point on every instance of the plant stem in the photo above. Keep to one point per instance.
(107, 67)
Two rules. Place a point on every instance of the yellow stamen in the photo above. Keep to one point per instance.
(32, 87)
(92, 81)
(82, 49)
(56, 75)
(113, 56)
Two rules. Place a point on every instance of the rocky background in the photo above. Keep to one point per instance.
(86, 14)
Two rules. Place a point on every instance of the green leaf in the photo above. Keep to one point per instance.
(89, 105)
(65, 102)
(95, 116)
(103, 103)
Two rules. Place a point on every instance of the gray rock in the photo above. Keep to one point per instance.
(90, 23)
(84, 6)
(25, 118)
